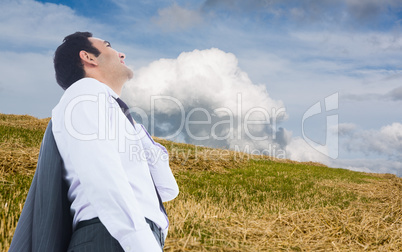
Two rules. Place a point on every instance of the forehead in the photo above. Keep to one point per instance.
(97, 41)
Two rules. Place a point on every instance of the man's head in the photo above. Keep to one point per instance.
(80, 55)
(67, 61)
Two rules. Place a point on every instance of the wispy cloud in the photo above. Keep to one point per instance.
(27, 24)
(377, 165)
(30, 32)
(393, 95)
(321, 12)
(386, 141)
(174, 18)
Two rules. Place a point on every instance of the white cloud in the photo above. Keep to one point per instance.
(211, 79)
(174, 18)
(385, 141)
(347, 44)
(301, 66)
(31, 24)
(382, 148)
(30, 32)
(370, 165)
(345, 129)
(207, 86)
(299, 150)
(201, 77)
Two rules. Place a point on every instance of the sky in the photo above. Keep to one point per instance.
(313, 80)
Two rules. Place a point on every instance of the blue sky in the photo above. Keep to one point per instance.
(284, 53)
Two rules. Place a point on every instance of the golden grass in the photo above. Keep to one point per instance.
(371, 221)
(374, 224)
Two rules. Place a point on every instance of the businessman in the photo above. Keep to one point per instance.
(116, 176)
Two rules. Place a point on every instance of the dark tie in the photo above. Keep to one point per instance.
(126, 111)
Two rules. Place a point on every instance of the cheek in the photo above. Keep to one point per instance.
(108, 59)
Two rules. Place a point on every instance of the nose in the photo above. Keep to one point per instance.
(122, 55)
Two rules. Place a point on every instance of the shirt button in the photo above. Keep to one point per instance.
(128, 248)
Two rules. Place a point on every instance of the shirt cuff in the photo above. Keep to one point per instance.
(141, 241)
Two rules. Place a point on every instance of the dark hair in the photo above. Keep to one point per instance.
(67, 61)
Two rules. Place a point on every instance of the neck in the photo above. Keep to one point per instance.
(116, 84)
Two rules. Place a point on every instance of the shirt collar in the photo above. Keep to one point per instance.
(109, 89)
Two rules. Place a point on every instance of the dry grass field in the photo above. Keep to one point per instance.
(232, 201)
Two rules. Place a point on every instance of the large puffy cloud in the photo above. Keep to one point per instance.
(204, 98)
(300, 66)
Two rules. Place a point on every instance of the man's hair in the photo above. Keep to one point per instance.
(67, 61)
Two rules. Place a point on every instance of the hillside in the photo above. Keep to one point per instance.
(232, 201)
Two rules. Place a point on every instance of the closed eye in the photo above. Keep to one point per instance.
(107, 43)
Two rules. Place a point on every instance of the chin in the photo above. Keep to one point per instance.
(130, 74)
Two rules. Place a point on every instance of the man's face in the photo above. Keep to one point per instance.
(110, 61)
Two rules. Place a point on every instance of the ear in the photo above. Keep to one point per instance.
(88, 58)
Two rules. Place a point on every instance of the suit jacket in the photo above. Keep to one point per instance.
(45, 223)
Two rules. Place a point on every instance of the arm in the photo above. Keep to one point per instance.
(158, 162)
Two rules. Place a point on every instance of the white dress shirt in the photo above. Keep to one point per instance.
(111, 166)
